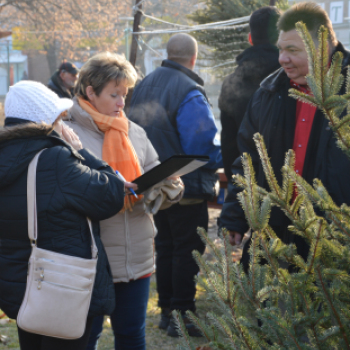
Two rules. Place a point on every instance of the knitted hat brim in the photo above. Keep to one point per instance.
(64, 105)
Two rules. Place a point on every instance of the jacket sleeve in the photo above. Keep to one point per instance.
(197, 129)
(236, 91)
(232, 216)
(91, 189)
(229, 146)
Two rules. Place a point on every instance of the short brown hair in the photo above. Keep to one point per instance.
(102, 68)
(312, 15)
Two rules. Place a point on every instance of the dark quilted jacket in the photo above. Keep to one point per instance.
(271, 112)
(70, 186)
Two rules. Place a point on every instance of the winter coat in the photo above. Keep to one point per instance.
(154, 106)
(71, 186)
(253, 65)
(56, 85)
(271, 112)
(128, 236)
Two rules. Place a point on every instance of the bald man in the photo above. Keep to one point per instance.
(172, 106)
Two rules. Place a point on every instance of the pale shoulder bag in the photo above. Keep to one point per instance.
(59, 286)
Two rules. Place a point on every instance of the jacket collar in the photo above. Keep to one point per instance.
(83, 118)
(57, 81)
(16, 128)
(191, 74)
(262, 52)
(277, 79)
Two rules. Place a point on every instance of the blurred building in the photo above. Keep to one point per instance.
(13, 64)
(339, 13)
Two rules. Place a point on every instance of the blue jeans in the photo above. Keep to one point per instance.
(128, 319)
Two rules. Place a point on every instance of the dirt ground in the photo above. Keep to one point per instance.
(156, 339)
(2, 115)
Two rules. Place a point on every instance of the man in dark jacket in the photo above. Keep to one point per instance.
(289, 124)
(254, 64)
(172, 106)
(63, 81)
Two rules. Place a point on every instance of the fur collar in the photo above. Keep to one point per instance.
(16, 128)
(26, 130)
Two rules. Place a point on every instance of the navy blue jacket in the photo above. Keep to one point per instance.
(154, 106)
(70, 186)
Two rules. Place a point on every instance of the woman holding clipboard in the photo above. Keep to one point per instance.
(97, 117)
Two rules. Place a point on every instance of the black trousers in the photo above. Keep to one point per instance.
(176, 268)
(31, 341)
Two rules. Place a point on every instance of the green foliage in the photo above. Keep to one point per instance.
(270, 307)
(225, 44)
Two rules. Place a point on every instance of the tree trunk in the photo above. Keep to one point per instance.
(133, 51)
(135, 29)
(51, 57)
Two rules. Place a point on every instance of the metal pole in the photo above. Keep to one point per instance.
(8, 65)
(126, 31)
(126, 34)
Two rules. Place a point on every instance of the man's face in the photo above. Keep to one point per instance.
(68, 79)
(293, 56)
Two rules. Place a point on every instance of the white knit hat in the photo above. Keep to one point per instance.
(33, 101)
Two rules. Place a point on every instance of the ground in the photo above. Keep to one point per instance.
(2, 116)
(155, 338)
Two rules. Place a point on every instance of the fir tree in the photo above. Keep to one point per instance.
(269, 307)
(225, 44)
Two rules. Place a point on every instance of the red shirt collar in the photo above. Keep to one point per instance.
(302, 88)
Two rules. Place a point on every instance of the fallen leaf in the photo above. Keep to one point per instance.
(3, 339)
(204, 347)
(4, 321)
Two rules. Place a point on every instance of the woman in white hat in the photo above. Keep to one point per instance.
(72, 184)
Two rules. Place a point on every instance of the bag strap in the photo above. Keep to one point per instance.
(32, 208)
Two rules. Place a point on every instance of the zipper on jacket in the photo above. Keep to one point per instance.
(127, 245)
(153, 236)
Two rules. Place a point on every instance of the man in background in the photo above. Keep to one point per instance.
(63, 80)
(253, 65)
(172, 106)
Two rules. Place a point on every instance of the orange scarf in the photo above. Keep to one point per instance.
(117, 149)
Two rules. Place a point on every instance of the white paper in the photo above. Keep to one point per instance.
(195, 164)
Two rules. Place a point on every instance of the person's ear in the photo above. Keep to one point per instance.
(193, 60)
(330, 50)
(250, 39)
(90, 93)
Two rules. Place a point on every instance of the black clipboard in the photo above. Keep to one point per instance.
(177, 165)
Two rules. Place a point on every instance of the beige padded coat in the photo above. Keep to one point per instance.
(127, 237)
